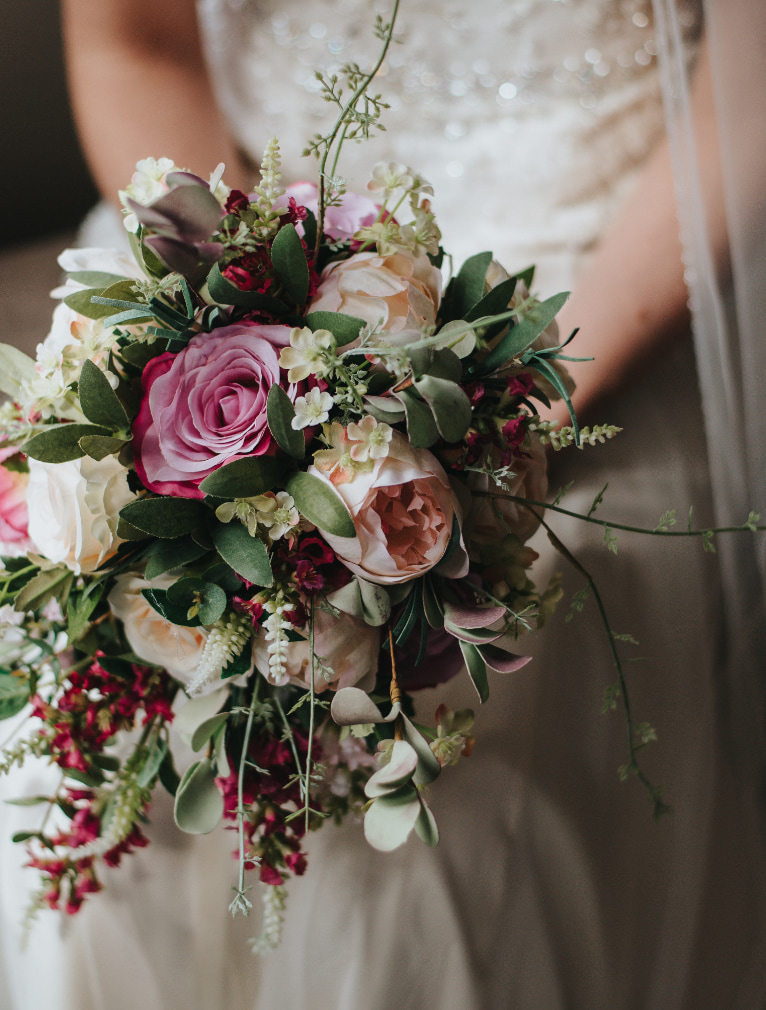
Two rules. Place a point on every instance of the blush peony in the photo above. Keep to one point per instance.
(206, 406)
(399, 292)
(403, 512)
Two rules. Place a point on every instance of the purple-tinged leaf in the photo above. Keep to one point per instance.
(501, 661)
(472, 617)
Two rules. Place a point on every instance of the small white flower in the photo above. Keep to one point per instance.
(388, 177)
(313, 408)
(277, 512)
(307, 353)
(146, 186)
(370, 439)
(422, 235)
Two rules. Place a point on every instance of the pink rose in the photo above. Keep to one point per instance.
(399, 292)
(342, 221)
(13, 506)
(206, 406)
(403, 512)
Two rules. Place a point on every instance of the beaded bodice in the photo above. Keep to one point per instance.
(530, 117)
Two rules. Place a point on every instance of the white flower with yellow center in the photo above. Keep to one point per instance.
(369, 439)
(313, 408)
(307, 353)
(277, 512)
(388, 177)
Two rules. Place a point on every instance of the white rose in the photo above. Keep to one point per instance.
(155, 640)
(74, 508)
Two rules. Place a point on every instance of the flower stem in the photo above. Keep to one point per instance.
(240, 902)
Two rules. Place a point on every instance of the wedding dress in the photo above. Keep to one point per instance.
(551, 886)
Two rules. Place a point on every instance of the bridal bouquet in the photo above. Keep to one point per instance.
(259, 486)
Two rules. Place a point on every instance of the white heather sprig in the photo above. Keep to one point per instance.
(268, 191)
(16, 755)
(129, 800)
(274, 901)
(226, 640)
(275, 627)
(561, 438)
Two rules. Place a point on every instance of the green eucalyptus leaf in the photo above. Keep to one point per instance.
(320, 504)
(345, 329)
(209, 598)
(244, 478)
(279, 414)
(226, 293)
(425, 825)
(15, 368)
(391, 818)
(166, 518)
(164, 555)
(94, 278)
(98, 400)
(80, 302)
(477, 669)
(60, 443)
(199, 804)
(449, 405)
(219, 748)
(289, 260)
(98, 447)
(14, 694)
(421, 426)
(445, 364)
(524, 333)
(468, 286)
(44, 587)
(245, 554)
(385, 408)
(207, 729)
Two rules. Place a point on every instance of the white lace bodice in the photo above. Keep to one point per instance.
(529, 117)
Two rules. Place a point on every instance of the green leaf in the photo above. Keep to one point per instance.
(449, 405)
(527, 276)
(99, 401)
(94, 278)
(169, 777)
(477, 669)
(245, 554)
(495, 301)
(158, 748)
(239, 665)
(345, 329)
(199, 804)
(279, 414)
(432, 604)
(209, 598)
(15, 368)
(14, 694)
(80, 609)
(421, 426)
(244, 478)
(81, 301)
(219, 749)
(550, 373)
(289, 260)
(60, 443)
(98, 447)
(320, 504)
(165, 555)
(166, 518)
(524, 333)
(43, 587)
(468, 286)
(425, 825)
(226, 293)
(158, 599)
(207, 729)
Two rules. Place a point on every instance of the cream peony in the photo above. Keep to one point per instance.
(155, 640)
(398, 292)
(403, 512)
(74, 508)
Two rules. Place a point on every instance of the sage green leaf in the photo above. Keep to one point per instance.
(80, 302)
(396, 773)
(468, 286)
(158, 748)
(320, 504)
(244, 478)
(345, 329)
(14, 694)
(364, 600)
(549, 372)
(199, 804)
(351, 706)
(458, 337)
(60, 443)
(127, 532)
(98, 447)
(219, 749)
(117, 295)
(98, 400)
(428, 767)
(207, 729)
(385, 408)
(425, 825)
(15, 368)
(166, 518)
(477, 636)
(527, 276)
(279, 415)
(477, 670)
(43, 587)
(289, 260)
(390, 819)
(94, 278)
(158, 600)
(79, 609)
(226, 293)
(445, 364)
(494, 302)
(245, 554)
(195, 711)
(432, 605)
(421, 426)
(524, 333)
(164, 555)
(209, 599)
(449, 405)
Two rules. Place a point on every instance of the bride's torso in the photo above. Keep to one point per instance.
(530, 118)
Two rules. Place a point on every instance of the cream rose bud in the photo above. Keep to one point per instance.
(74, 508)
(399, 292)
(403, 511)
(155, 640)
(346, 650)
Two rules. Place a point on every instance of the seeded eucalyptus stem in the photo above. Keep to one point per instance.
(341, 124)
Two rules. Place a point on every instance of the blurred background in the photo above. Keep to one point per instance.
(45, 188)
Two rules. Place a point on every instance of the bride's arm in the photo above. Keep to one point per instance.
(631, 299)
(139, 88)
